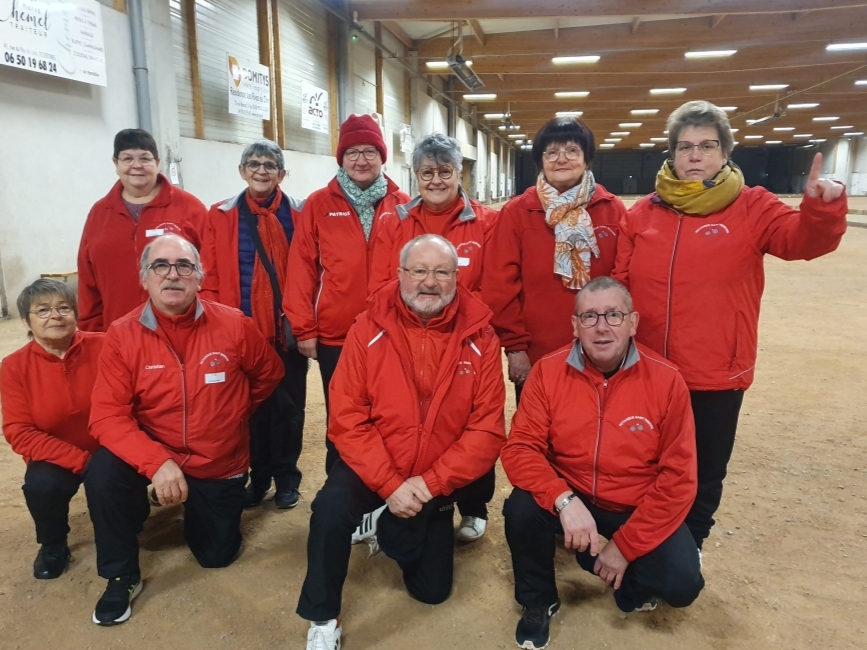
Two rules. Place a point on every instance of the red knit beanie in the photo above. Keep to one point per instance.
(360, 129)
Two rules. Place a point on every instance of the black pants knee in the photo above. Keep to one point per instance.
(277, 429)
(118, 504)
(478, 505)
(716, 422)
(670, 572)
(48, 489)
(328, 356)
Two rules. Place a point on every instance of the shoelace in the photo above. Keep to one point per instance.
(535, 617)
(119, 587)
(320, 641)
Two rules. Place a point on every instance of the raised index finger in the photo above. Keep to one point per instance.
(815, 170)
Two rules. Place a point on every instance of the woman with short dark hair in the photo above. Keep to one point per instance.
(549, 242)
(45, 392)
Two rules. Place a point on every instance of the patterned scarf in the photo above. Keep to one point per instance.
(364, 201)
(567, 214)
(699, 197)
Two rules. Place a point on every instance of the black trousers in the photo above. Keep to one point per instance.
(328, 356)
(48, 489)
(716, 421)
(277, 429)
(670, 572)
(337, 511)
(118, 502)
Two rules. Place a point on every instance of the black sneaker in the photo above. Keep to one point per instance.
(51, 561)
(254, 497)
(115, 605)
(533, 632)
(286, 499)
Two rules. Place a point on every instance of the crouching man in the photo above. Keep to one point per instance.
(603, 443)
(417, 418)
(177, 381)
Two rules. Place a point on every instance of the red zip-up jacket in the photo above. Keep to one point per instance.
(697, 281)
(329, 263)
(385, 430)
(112, 243)
(532, 309)
(46, 401)
(627, 443)
(469, 232)
(149, 408)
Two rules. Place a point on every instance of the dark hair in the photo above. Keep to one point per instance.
(44, 288)
(700, 113)
(561, 130)
(135, 139)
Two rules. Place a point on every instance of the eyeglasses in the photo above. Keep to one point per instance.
(45, 312)
(442, 275)
(444, 172)
(255, 165)
(162, 269)
(612, 317)
(129, 161)
(353, 154)
(572, 153)
(706, 147)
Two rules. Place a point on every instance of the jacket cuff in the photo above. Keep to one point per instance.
(390, 486)
(433, 483)
(152, 465)
(549, 498)
(625, 549)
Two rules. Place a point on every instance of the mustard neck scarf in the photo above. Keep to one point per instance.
(699, 197)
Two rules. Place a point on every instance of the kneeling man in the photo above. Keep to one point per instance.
(177, 381)
(417, 418)
(603, 442)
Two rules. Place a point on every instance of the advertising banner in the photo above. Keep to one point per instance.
(249, 88)
(314, 108)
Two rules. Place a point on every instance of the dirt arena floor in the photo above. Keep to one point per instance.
(786, 564)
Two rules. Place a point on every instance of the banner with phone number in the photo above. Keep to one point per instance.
(62, 39)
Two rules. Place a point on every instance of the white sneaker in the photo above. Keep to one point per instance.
(471, 529)
(367, 528)
(324, 637)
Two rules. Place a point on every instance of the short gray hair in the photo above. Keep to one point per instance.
(143, 263)
(700, 113)
(44, 288)
(442, 149)
(264, 149)
(428, 238)
(602, 283)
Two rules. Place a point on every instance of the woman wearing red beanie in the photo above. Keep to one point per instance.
(329, 259)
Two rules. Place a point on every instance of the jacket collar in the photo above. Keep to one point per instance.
(466, 214)
(232, 203)
(576, 357)
(163, 197)
(149, 319)
(45, 354)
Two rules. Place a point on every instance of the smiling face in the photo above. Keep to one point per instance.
(438, 193)
(172, 294)
(605, 345)
(562, 173)
(138, 171)
(361, 170)
(261, 182)
(55, 330)
(696, 166)
(429, 296)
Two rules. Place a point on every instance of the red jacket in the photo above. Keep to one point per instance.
(376, 407)
(329, 263)
(222, 281)
(532, 309)
(46, 401)
(698, 281)
(627, 443)
(112, 244)
(148, 408)
(469, 232)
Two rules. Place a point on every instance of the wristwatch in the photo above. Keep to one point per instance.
(558, 508)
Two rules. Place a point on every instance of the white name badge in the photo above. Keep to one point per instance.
(156, 232)
(215, 377)
(463, 261)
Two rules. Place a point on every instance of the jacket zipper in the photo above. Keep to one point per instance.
(670, 284)
(68, 386)
(184, 402)
(598, 437)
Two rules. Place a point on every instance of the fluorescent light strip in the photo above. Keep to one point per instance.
(515, 136)
(480, 97)
(570, 94)
(803, 135)
(842, 47)
(793, 107)
(861, 82)
(773, 142)
(708, 54)
(753, 137)
(647, 145)
(735, 130)
(613, 139)
(667, 91)
(784, 128)
(659, 139)
(606, 146)
(819, 140)
(847, 126)
(566, 60)
(620, 132)
(728, 109)
(568, 113)
(644, 111)
(630, 125)
(769, 87)
(825, 119)
(494, 116)
(854, 133)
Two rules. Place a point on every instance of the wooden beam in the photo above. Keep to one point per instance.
(377, 67)
(263, 19)
(716, 20)
(333, 99)
(398, 32)
(189, 9)
(635, 23)
(476, 28)
(277, 79)
(119, 5)
(799, 14)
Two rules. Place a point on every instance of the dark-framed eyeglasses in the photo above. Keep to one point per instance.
(571, 153)
(353, 154)
(706, 147)
(45, 312)
(442, 275)
(613, 317)
(162, 269)
(444, 172)
(256, 165)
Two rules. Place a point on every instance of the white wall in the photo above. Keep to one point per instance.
(432, 117)
(859, 167)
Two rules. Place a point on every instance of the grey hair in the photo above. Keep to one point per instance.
(428, 238)
(602, 283)
(145, 254)
(442, 149)
(700, 113)
(44, 288)
(264, 149)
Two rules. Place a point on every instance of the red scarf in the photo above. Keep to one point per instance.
(277, 248)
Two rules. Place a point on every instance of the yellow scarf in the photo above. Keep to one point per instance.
(699, 197)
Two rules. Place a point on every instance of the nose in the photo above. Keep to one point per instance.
(430, 280)
(173, 272)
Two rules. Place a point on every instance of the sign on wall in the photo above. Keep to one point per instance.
(249, 88)
(61, 39)
(314, 108)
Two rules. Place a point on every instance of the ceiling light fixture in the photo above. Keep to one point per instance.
(784, 128)
(708, 54)
(630, 125)
(516, 136)
(842, 47)
(773, 142)
(761, 87)
(803, 135)
(606, 146)
(480, 97)
(842, 127)
(825, 119)
(571, 94)
(667, 91)
(644, 111)
(728, 109)
(797, 106)
(494, 116)
(613, 139)
(568, 113)
(854, 133)
(647, 145)
(659, 139)
(753, 137)
(620, 132)
(565, 60)
(861, 82)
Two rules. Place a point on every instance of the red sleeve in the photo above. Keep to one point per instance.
(261, 363)
(501, 282)
(195, 220)
(814, 230)
(90, 308)
(625, 246)
(111, 413)
(20, 430)
(476, 451)
(386, 257)
(302, 277)
(350, 427)
(211, 283)
(665, 506)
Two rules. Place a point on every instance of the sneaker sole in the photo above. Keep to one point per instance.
(529, 645)
(461, 537)
(126, 614)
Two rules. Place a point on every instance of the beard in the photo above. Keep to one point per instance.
(427, 308)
